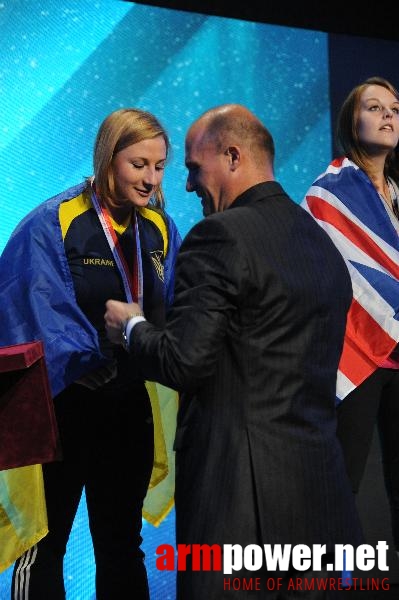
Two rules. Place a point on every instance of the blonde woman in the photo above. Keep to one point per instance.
(108, 236)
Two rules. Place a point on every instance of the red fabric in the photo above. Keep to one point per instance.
(28, 429)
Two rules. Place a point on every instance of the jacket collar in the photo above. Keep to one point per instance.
(260, 191)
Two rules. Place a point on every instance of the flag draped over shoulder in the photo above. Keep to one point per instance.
(41, 305)
(34, 279)
(23, 516)
(346, 204)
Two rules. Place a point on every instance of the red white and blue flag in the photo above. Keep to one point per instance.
(345, 203)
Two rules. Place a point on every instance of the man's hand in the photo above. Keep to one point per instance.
(116, 315)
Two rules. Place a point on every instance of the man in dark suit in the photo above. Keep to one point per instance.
(252, 342)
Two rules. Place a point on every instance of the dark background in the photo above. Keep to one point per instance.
(370, 19)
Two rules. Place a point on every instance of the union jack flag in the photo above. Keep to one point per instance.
(345, 203)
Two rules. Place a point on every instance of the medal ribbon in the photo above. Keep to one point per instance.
(133, 286)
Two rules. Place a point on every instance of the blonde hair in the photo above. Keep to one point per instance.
(121, 129)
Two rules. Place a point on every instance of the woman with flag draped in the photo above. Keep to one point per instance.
(108, 236)
(356, 201)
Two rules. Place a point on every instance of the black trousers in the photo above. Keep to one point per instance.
(376, 400)
(107, 444)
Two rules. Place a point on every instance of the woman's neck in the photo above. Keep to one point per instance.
(382, 185)
(120, 214)
(375, 170)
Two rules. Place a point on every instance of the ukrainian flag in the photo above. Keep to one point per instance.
(23, 516)
(160, 495)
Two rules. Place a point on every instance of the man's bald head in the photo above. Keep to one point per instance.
(228, 151)
(234, 124)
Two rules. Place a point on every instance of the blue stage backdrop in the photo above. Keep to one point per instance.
(66, 64)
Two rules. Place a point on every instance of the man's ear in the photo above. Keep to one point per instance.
(233, 153)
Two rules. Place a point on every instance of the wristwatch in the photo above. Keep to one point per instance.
(125, 340)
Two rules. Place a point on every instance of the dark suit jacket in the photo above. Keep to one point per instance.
(253, 340)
